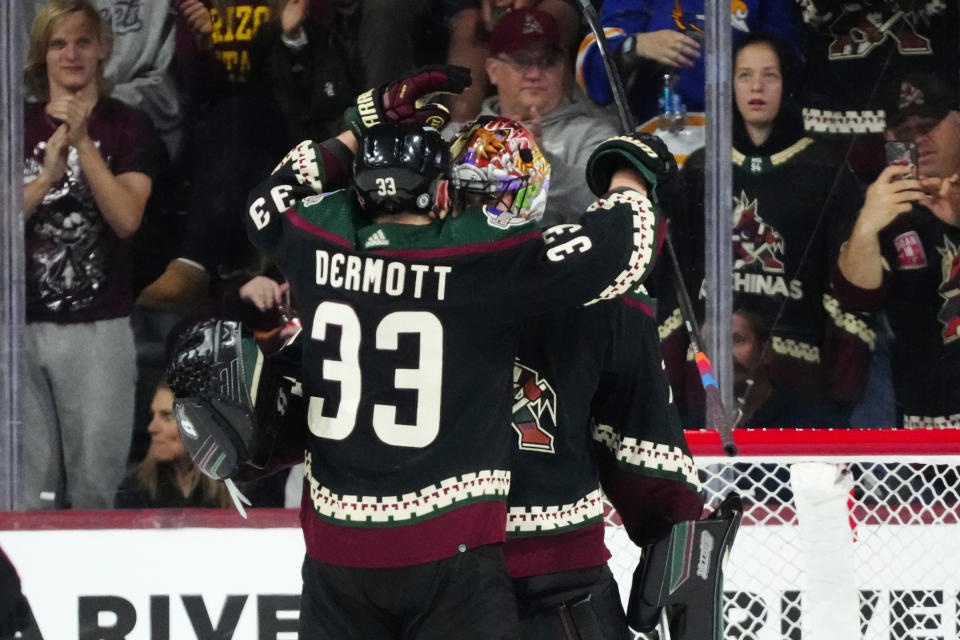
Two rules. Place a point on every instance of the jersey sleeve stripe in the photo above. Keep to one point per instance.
(644, 456)
(646, 238)
(298, 221)
(639, 304)
(477, 247)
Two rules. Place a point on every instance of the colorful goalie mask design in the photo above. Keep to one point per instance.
(499, 159)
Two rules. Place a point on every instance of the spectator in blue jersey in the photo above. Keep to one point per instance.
(794, 200)
(529, 66)
(903, 254)
(650, 38)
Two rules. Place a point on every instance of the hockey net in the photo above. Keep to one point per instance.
(846, 534)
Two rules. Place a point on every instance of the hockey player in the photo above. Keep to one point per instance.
(413, 323)
(902, 255)
(591, 405)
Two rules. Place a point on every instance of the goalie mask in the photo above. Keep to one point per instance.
(497, 162)
(397, 166)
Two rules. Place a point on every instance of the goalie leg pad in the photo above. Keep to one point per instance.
(683, 572)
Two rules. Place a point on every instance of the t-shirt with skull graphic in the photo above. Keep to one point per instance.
(77, 269)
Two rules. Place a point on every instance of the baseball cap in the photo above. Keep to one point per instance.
(922, 94)
(522, 28)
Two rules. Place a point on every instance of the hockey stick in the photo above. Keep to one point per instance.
(714, 405)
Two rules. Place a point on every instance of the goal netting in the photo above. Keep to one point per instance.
(846, 534)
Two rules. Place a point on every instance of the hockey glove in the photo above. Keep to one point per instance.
(409, 99)
(644, 152)
(229, 407)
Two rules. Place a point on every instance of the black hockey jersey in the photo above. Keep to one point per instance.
(921, 295)
(412, 333)
(791, 211)
(593, 377)
(856, 54)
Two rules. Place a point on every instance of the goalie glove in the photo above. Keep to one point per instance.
(644, 152)
(409, 99)
(229, 407)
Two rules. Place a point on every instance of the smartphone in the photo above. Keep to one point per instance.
(903, 153)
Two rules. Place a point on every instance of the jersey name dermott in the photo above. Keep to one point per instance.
(379, 276)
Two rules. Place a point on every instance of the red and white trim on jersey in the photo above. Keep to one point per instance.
(354, 510)
(535, 519)
(652, 456)
(644, 240)
(305, 164)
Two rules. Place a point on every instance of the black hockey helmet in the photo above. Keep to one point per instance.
(397, 165)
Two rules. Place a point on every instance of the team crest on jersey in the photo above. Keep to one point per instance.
(949, 315)
(313, 200)
(857, 31)
(756, 245)
(534, 410)
(910, 254)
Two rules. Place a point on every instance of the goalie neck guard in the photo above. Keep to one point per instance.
(397, 166)
(499, 160)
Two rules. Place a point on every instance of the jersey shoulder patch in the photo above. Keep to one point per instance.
(334, 212)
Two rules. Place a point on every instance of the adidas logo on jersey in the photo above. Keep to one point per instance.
(378, 239)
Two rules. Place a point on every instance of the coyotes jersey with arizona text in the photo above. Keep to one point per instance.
(591, 404)
(921, 295)
(410, 337)
(792, 210)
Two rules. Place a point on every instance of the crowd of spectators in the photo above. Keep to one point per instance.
(147, 123)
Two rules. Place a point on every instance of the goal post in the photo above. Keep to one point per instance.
(846, 533)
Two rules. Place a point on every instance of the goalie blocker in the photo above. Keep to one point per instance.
(682, 573)
(230, 408)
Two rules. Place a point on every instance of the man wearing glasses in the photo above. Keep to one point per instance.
(533, 74)
(903, 254)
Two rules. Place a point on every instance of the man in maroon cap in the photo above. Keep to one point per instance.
(903, 254)
(532, 71)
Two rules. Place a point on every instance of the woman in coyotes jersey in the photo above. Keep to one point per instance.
(793, 202)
